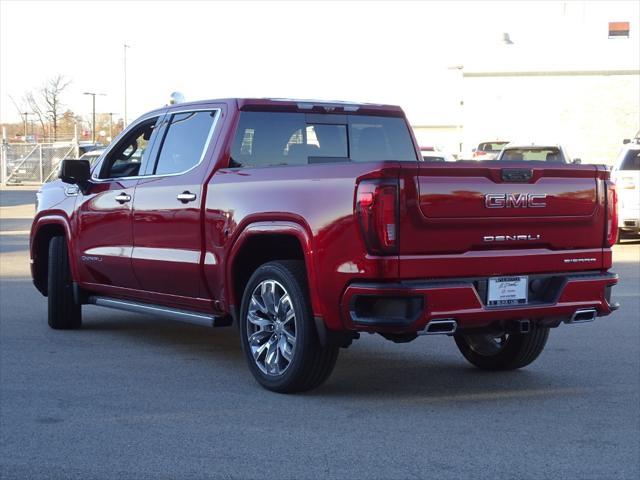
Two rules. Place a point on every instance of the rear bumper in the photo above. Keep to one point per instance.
(410, 306)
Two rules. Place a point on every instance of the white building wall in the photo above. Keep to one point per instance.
(588, 113)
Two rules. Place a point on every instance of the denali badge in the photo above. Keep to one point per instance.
(579, 260)
(509, 238)
(515, 200)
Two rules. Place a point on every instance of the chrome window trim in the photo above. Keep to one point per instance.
(218, 111)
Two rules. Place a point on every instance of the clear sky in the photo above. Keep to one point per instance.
(390, 52)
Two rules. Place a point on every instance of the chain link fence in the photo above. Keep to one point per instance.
(34, 163)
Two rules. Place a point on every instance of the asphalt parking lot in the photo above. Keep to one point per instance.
(133, 397)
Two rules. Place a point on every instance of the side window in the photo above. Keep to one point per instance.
(126, 158)
(184, 142)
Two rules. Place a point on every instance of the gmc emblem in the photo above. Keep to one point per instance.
(515, 200)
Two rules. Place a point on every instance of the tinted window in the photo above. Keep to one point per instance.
(130, 153)
(184, 142)
(631, 160)
(272, 138)
(533, 154)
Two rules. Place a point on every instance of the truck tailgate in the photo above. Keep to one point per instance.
(468, 208)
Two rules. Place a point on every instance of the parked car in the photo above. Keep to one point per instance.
(537, 153)
(488, 150)
(432, 154)
(306, 223)
(92, 155)
(626, 174)
(84, 147)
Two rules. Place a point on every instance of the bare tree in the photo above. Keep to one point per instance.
(47, 105)
(31, 101)
(51, 93)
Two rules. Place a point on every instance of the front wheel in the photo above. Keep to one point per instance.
(278, 333)
(508, 351)
(64, 312)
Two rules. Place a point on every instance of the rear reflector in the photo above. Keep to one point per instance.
(377, 212)
(612, 214)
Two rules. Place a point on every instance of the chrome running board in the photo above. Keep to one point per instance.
(185, 316)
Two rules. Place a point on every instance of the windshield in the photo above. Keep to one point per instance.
(546, 154)
(277, 138)
(631, 160)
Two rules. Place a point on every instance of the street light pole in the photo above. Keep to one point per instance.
(93, 115)
(26, 114)
(110, 126)
(460, 107)
(125, 83)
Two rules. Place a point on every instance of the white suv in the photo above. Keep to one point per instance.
(626, 174)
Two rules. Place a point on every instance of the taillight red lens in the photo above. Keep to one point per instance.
(377, 211)
(612, 213)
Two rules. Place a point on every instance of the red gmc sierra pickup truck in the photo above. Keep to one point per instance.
(305, 223)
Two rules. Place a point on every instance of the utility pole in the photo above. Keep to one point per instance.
(25, 114)
(93, 123)
(125, 83)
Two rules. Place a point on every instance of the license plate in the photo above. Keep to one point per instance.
(507, 291)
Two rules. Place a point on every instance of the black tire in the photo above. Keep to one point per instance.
(311, 363)
(64, 313)
(515, 350)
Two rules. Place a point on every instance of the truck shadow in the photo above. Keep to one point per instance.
(367, 371)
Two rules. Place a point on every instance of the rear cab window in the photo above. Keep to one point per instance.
(278, 138)
(550, 154)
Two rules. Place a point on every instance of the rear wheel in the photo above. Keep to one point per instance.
(508, 351)
(278, 333)
(64, 312)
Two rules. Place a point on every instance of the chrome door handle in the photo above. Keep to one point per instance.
(186, 197)
(123, 197)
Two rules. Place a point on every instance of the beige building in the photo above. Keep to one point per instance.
(590, 112)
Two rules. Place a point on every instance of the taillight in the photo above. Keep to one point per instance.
(479, 153)
(612, 213)
(377, 211)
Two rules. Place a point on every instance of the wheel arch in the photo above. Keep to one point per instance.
(264, 241)
(44, 229)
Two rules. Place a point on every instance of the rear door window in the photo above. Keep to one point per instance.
(184, 142)
(275, 138)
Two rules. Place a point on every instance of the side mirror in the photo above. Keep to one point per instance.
(626, 140)
(577, 161)
(74, 171)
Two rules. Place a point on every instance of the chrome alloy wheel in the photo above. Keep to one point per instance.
(271, 327)
(487, 344)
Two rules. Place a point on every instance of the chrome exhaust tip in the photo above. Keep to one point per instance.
(583, 315)
(445, 326)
